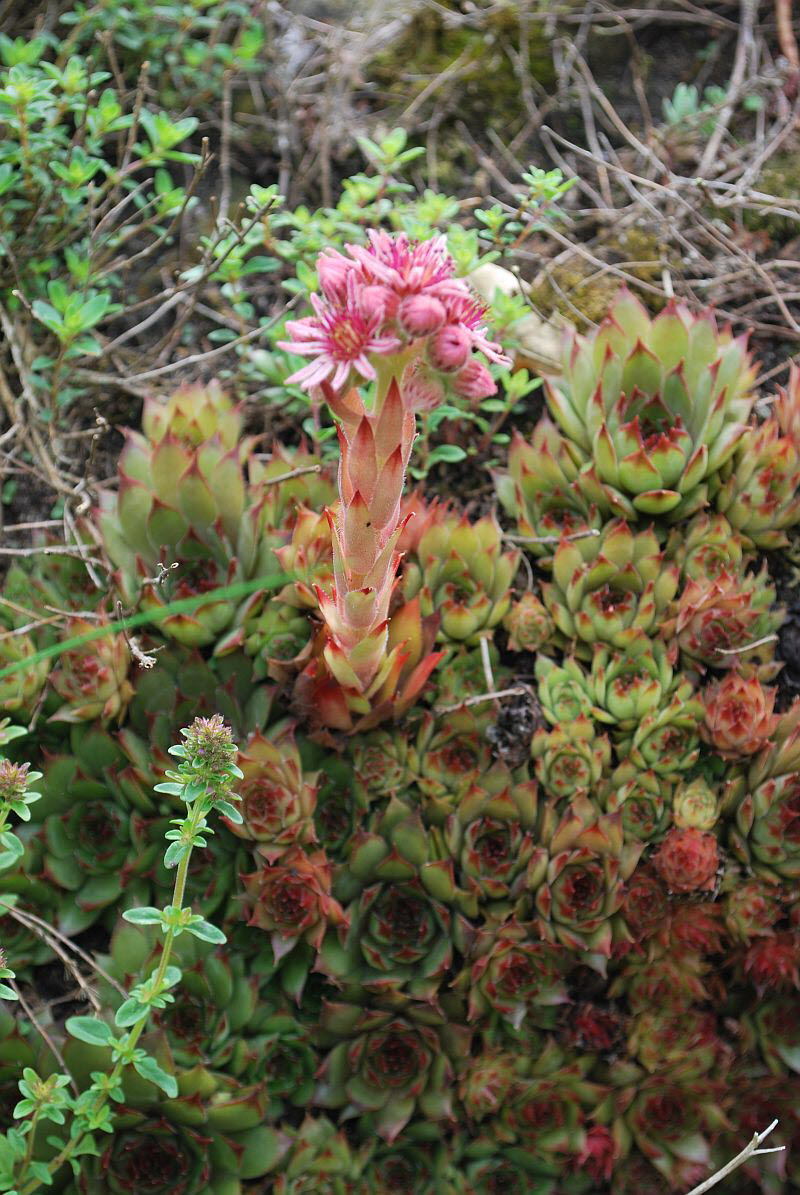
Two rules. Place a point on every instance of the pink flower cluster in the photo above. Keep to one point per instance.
(385, 298)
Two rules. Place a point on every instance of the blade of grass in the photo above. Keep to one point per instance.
(147, 617)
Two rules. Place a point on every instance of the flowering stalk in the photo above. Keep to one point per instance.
(203, 780)
(391, 313)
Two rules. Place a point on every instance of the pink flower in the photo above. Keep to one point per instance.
(474, 381)
(419, 315)
(468, 312)
(333, 270)
(449, 349)
(406, 268)
(339, 338)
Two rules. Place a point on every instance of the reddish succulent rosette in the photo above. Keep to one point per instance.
(291, 899)
(277, 801)
(687, 860)
(773, 963)
(92, 679)
(513, 973)
(739, 719)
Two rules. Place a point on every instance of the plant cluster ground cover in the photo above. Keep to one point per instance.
(399, 755)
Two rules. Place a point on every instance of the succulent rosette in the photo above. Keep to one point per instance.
(579, 880)
(686, 1044)
(674, 1124)
(752, 909)
(706, 547)
(687, 860)
(511, 973)
(277, 799)
(761, 498)
(695, 805)
(307, 558)
(291, 899)
(399, 945)
(563, 690)
(663, 978)
(449, 755)
(542, 490)
(184, 499)
(528, 624)
(766, 834)
(339, 813)
(491, 838)
(546, 1114)
(402, 912)
(775, 1032)
(728, 622)
(406, 1169)
(739, 718)
(644, 907)
(463, 575)
(321, 1161)
(485, 1085)
(91, 679)
(655, 407)
(156, 1155)
(380, 765)
(626, 686)
(570, 759)
(20, 690)
(667, 740)
(93, 844)
(642, 798)
(385, 1068)
(609, 588)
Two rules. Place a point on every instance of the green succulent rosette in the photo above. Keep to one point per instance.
(563, 690)
(186, 501)
(339, 813)
(642, 798)
(685, 1044)
(513, 975)
(673, 1122)
(542, 490)
(577, 880)
(321, 1161)
(760, 497)
(490, 838)
(655, 406)
(570, 759)
(385, 1068)
(381, 766)
(774, 1031)
(464, 576)
(21, 689)
(94, 844)
(706, 547)
(764, 834)
(402, 909)
(609, 588)
(666, 741)
(448, 756)
(628, 685)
